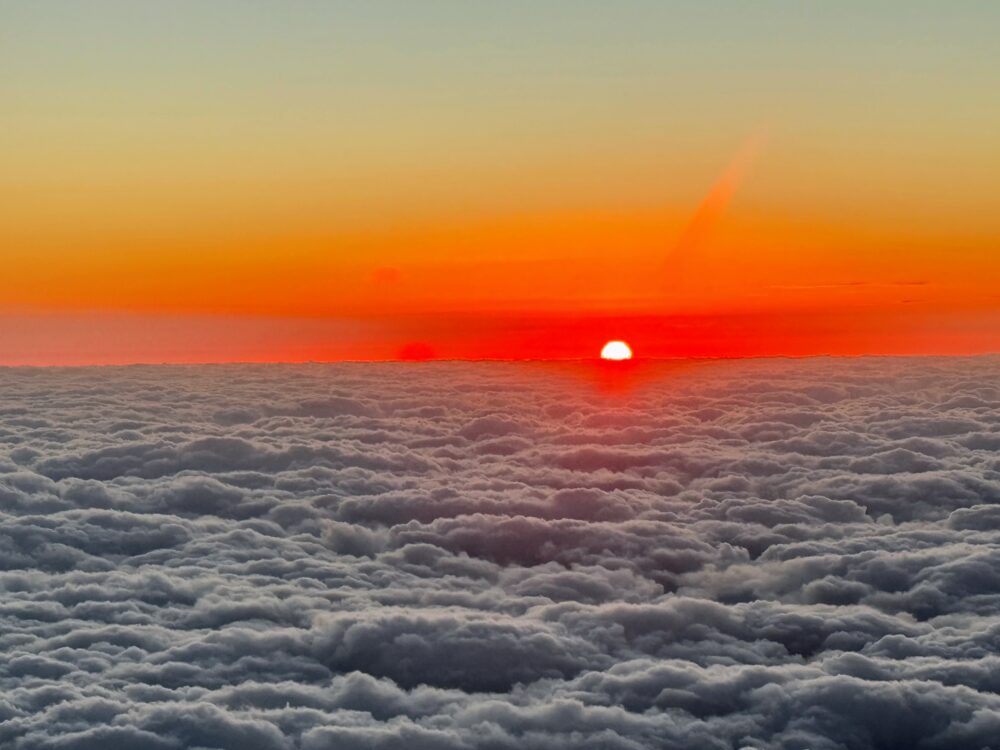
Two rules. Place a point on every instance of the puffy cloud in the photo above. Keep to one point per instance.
(761, 554)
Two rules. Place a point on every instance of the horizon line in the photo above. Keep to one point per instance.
(496, 360)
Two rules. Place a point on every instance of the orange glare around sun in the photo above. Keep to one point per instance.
(616, 350)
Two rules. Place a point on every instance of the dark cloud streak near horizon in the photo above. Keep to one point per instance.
(758, 554)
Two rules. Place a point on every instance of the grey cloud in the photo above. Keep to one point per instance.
(760, 554)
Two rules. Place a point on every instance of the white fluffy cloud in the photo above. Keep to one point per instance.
(770, 554)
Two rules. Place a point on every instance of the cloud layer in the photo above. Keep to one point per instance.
(749, 554)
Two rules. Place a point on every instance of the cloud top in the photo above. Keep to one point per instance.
(758, 554)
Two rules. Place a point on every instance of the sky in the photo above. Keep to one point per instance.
(222, 181)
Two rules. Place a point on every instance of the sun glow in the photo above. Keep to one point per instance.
(616, 350)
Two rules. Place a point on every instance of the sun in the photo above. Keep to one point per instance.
(616, 350)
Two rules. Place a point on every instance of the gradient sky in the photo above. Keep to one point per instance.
(192, 181)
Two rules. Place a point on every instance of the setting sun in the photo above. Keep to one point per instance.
(616, 350)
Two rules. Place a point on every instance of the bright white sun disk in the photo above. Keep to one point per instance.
(616, 350)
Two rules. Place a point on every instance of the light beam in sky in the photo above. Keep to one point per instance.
(711, 209)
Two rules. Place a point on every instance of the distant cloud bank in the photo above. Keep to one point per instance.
(757, 554)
